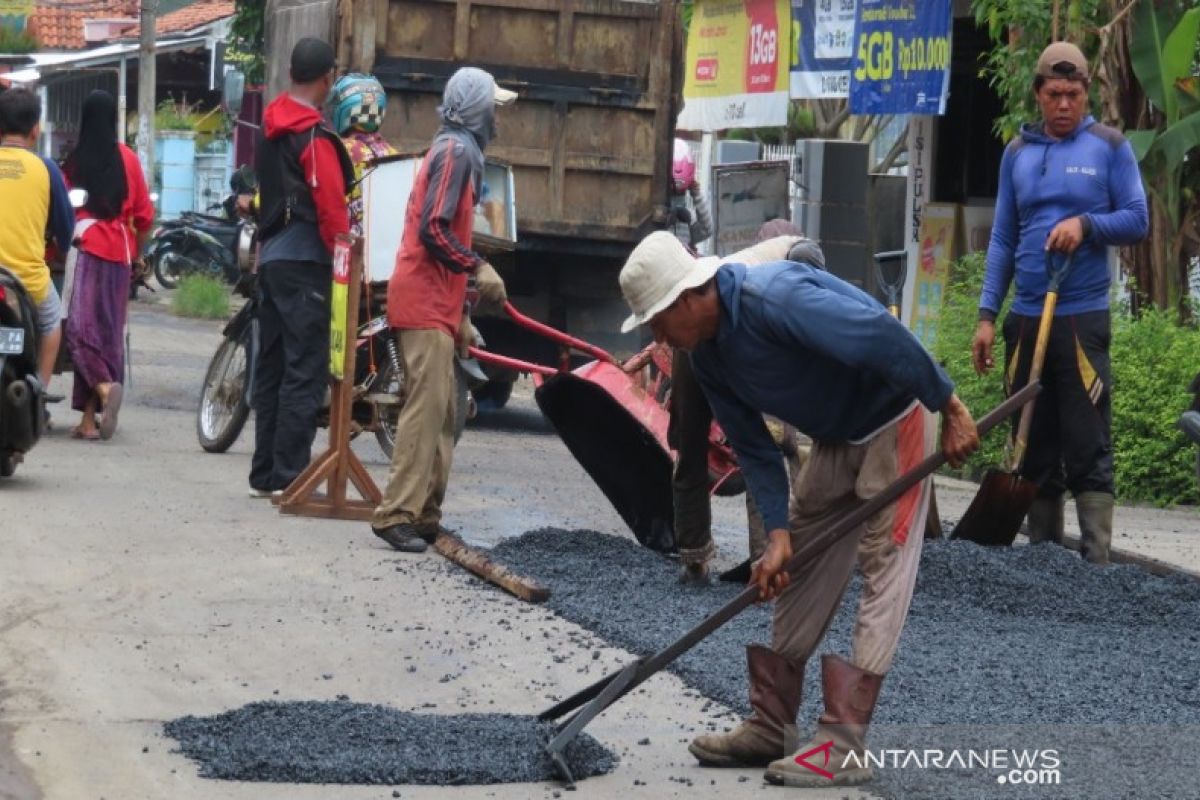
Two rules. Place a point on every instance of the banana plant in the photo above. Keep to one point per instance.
(1163, 52)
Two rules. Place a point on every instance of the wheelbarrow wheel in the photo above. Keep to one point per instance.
(391, 382)
(734, 485)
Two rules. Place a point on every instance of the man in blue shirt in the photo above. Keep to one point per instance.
(793, 341)
(1068, 185)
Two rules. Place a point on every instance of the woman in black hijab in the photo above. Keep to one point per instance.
(111, 229)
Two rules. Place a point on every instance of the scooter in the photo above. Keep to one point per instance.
(22, 396)
(200, 243)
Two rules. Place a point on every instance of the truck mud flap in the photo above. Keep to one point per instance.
(619, 453)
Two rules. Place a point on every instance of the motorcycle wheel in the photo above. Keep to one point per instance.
(393, 384)
(8, 465)
(223, 408)
(170, 266)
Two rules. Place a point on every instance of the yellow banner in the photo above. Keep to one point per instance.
(938, 226)
(339, 330)
(738, 61)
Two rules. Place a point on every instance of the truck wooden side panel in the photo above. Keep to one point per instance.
(590, 136)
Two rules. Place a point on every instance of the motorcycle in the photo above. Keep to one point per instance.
(199, 243)
(22, 397)
(378, 394)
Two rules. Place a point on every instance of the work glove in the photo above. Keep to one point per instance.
(806, 251)
(492, 294)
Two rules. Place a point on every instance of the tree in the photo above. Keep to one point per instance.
(248, 39)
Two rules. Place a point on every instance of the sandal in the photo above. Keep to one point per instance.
(78, 433)
(112, 406)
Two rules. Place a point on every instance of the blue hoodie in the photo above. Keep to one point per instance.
(823, 356)
(1091, 173)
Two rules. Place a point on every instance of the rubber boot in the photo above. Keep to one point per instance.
(1045, 519)
(835, 756)
(775, 685)
(1095, 511)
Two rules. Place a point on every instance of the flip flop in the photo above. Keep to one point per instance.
(78, 433)
(112, 407)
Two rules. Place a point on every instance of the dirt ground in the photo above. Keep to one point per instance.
(140, 583)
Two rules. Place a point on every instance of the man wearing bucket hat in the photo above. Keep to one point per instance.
(426, 302)
(1071, 185)
(797, 343)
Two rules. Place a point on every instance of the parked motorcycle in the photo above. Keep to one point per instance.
(199, 243)
(22, 397)
(378, 394)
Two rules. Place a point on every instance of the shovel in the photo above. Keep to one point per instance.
(594, 699)
(1004, 497)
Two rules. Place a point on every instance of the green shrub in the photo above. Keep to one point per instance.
(956, 330)
(1154, 360)
(201, 296)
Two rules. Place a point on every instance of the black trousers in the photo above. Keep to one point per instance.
(1070, 438)
(691, 419)
(292, 370)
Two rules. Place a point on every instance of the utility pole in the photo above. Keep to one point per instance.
(146, 84)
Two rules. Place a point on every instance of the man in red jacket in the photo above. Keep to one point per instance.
(303, 172)
(426, 301)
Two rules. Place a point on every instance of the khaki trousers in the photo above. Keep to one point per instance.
(836, 479)
(424, 432)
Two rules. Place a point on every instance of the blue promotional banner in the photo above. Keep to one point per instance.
(822, 48)
(901, 57)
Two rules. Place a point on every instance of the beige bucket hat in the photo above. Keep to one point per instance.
(657, 271)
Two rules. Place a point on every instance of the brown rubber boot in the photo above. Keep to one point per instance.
(835, 754)
(1095, 510)
(775, 685)
(1045, 519)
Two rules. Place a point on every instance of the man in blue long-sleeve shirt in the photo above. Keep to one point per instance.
(795, 342)
(1070, 185)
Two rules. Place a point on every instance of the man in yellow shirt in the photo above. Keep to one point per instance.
(36, 208)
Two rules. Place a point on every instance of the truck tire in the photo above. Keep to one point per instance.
(493, 395)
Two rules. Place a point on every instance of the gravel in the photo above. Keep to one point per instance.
(1022, 648)
(356, 743)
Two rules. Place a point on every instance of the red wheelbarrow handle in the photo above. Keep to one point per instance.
(554, 334)
(506, 362)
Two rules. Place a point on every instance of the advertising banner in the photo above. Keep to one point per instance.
(933, 268)
(822, 47)
(738, 54)
(339, 325)
(901, 57)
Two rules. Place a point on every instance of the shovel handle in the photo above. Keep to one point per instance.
(1057, 275)
(805, 553)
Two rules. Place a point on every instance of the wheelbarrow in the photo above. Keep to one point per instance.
(615, 426)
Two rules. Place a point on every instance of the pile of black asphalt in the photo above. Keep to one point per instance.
(340, 742)
(1068, 679)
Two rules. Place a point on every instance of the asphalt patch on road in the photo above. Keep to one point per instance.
(1017, 650)
(341, 742)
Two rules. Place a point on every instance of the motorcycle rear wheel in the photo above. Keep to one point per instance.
(223, 408)
(385, 434)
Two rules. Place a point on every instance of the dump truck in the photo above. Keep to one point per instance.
(589, 140)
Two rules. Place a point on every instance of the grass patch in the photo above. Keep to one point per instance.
(201, 296)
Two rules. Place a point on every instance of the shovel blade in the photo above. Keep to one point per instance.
(994, 516)
(623, 458)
